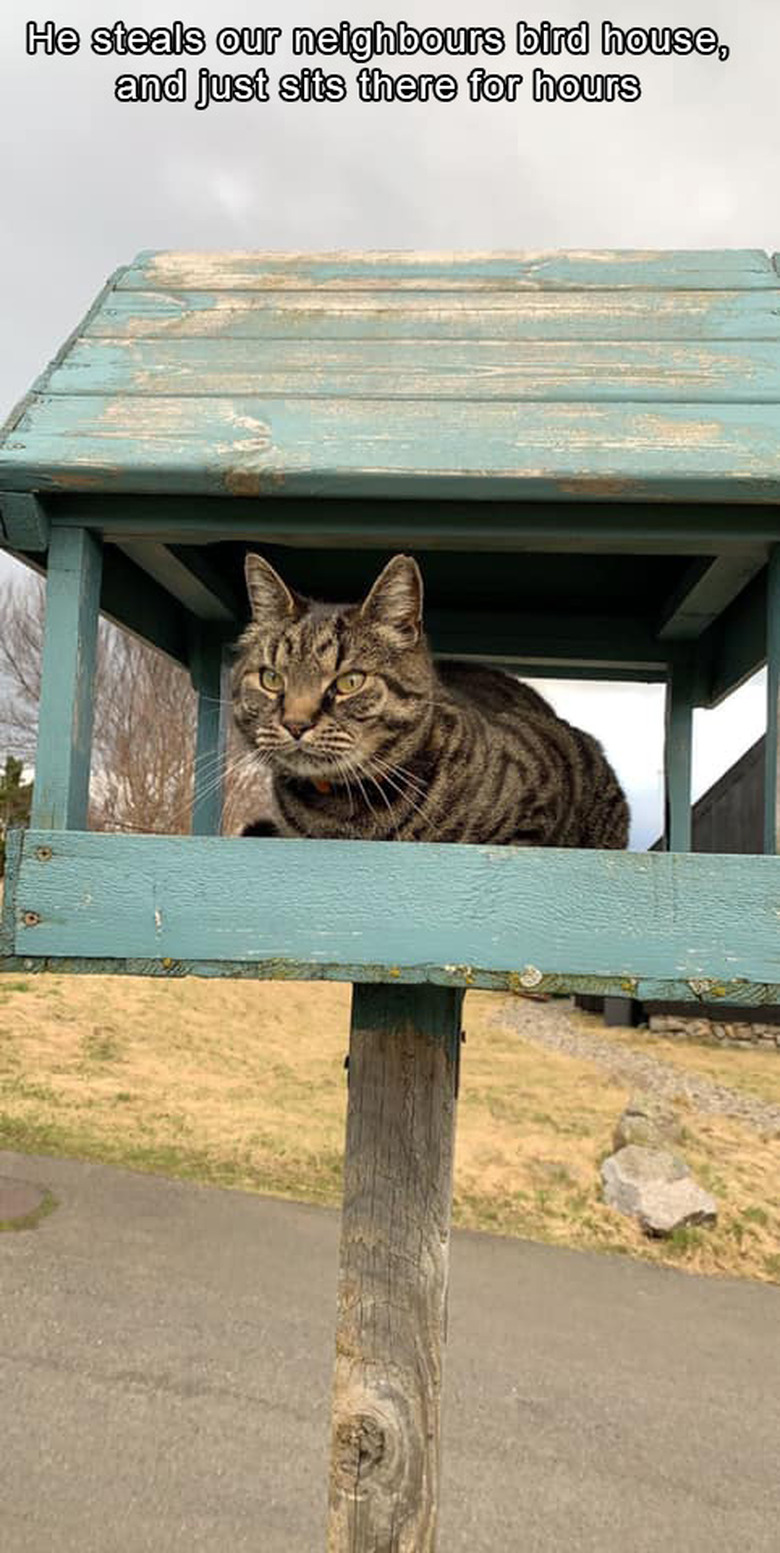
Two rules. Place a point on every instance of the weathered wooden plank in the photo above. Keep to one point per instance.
(475, 911)
(772, 740)
(426, 369)
(62, 760)
(708, 587)
(652, 990)
(696, 528)
(495, 315)
(747, 268)
(255, 447)
(392, 1308)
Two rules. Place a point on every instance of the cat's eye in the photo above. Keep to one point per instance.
(347, 684)
(270, 680)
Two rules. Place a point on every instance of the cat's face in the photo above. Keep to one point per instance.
(323, 692)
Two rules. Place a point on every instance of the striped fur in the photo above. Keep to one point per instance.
(417, 752)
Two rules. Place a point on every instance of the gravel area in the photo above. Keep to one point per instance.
(554, 1026)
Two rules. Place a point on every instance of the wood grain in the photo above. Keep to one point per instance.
(636, 375)
(403, 1065)
(495, 315)
(696, 268)
(472, 913)
(314, 447)
(476, 370)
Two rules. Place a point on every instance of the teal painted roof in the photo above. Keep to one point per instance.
(499, 375)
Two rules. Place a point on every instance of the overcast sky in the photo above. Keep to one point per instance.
(87, 182)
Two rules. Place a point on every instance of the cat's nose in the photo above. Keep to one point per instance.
(296, 726)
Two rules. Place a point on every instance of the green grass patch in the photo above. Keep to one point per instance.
(33, 1219)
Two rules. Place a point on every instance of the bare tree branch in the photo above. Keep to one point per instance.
(144, 727)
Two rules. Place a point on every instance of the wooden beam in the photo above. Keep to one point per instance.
(403, 1080)
(188, 576)
(554, 270)
(138, 604)
(771, 752)
(62, 761)
(734, 646)
(618, 527)
(425, 449)
(706, 589)
(554, 640)
(666, 921)
(645, 674)
(391, 314)
(481, 370)
(677, 754)
(24, 525)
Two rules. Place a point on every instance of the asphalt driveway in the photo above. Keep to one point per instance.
(165, 1358)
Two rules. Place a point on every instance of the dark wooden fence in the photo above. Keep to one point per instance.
(727, 818)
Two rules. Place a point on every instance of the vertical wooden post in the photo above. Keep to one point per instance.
(403, 1080)
(61, 792)
(771, 762)
(207, 670)
(678, 753)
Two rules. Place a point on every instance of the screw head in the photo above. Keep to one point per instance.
(31, 918)
(43, 854)
(531, 976)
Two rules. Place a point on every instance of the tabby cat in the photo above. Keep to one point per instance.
(367, 738)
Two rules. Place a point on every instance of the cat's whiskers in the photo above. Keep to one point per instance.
(343, 771)
(411, 789)
(402, 792)
(226, 767)
(406, 775)
(355, 770)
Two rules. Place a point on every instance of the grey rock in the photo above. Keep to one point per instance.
(657, 1188)
(648, 1122)
(664, 1024)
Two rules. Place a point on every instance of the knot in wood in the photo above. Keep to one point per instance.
(359, 1448)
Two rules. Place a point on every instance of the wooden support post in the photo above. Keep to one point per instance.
(620, 1012)
(771, 761)
(678, 752)
(61, 792)
(207, 668)
(403, 1081)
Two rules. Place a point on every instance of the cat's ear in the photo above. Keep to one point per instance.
(395, 601)
(269, 597)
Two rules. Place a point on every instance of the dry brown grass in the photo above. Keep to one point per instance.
(242, 1084)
